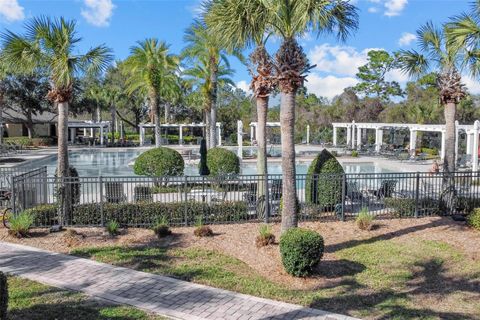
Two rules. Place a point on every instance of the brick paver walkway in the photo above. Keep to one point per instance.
(158, 294)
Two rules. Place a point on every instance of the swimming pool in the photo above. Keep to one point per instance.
(92, 163)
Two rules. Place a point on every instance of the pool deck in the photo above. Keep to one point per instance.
(35, 155)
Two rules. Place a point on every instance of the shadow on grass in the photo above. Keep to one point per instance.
(338, 268)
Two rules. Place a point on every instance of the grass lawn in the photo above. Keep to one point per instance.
(382, 279)
(31, 300)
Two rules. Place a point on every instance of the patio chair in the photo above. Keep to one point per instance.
(276, 190)
(142, 194)
(250, 197)
(114, 192)
(353, 193)
(386, 190)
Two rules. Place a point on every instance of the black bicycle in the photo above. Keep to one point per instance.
(6, 211)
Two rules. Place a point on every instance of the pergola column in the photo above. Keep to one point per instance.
(353, 137)
(442, 153)
(476, 128)
(180, 135)
(334, 136)
(359, 138)
(456, 140)
(240, 138)
(308, 134)
(378, 139)
(219, 131)
(413, 140)
(349, 135)
(91, 132)
(469, 142)
(142, 135)
(252, 133)
(101, 135)
(72, 134)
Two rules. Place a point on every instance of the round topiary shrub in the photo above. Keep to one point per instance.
(301, 251)
(474, 219)
(323, 185)
(222, 162)
(159, 162)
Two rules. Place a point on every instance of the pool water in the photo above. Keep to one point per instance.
(91, 163)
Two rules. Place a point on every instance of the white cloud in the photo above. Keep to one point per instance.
(98, 12)
(397, 75)
(395, 7)
(11, 11)
(406, 39)
(342, 60)
(244, 85)
(329, 86)
(373, 9)
(473, 85)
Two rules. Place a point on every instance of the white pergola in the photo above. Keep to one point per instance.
(104, 127)
(180, 127)
(354, 135)
(253, 130)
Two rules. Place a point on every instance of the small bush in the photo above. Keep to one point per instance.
(161, 228)
(112, 228)
(301, 251)
(364, 220)
(222, 162)
(202, 230)
(354, 154)
(3, 296)
(159, 162)
(20, 224)
(402, 207)
(474, 219)
(265, 237)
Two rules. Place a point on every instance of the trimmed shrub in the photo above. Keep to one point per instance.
(364, 220)
(146, 213)
(3, 296)
(20, 224)
(202, 230)
(474, 219)
(222, 162)
(301, 251)
(112, 228)
(323, 185)
(159, 162)
(265, 237)
(354, 154)
(161, 228)
(402, 207)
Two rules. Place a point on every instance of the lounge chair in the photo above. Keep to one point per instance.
(114, 192)
(353, 193)
(386, 190)
(250, 196)
(142, 194)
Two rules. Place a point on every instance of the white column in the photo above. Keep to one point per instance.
(469, 142)
(334, 136)
(359, 138)
(349, 135)
(91, 132)
(308, 134)
(72, 134)
(142, 135)
(476, 128)
(240, 138)
(101, 135)
(378, 139)
(252, 132)
(456, 140)
(413, 140)
(353, 137)
(442, 153)
(219, 131)
(180, 135)
(84, 132)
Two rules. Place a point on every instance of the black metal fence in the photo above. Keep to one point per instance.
(140, 201)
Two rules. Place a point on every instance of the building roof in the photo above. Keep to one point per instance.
(12, 115)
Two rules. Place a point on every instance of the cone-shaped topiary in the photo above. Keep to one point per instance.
(222, 161)
(3, 296)
(323, 185)
(159, 162)
(202, 166)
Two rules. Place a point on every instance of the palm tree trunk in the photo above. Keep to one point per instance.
(167, 112)
(450, 156)
(208, 128)
(289, 188)
(213, 127)
(156, 117)
(112, 119)
(64, 198)
(213, 103)
(262, 190)
(1, 118)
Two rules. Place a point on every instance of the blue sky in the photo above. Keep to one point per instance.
(386, 24)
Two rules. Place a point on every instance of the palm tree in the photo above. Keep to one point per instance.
(148, 67)
(243, 24)
(209, 56)
(49, 44)
(439, 55)
(289, 20)
(3, 75)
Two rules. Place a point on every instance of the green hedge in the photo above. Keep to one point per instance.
(34, 142)
(158, 162)
(301, 251)
(474, 219)
(323, 185)
(222, 162)
(146, 213)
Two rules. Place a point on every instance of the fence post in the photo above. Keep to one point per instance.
(186, 201)
(344, 184)
(12, 199)
(417, 191)
(102, 216)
